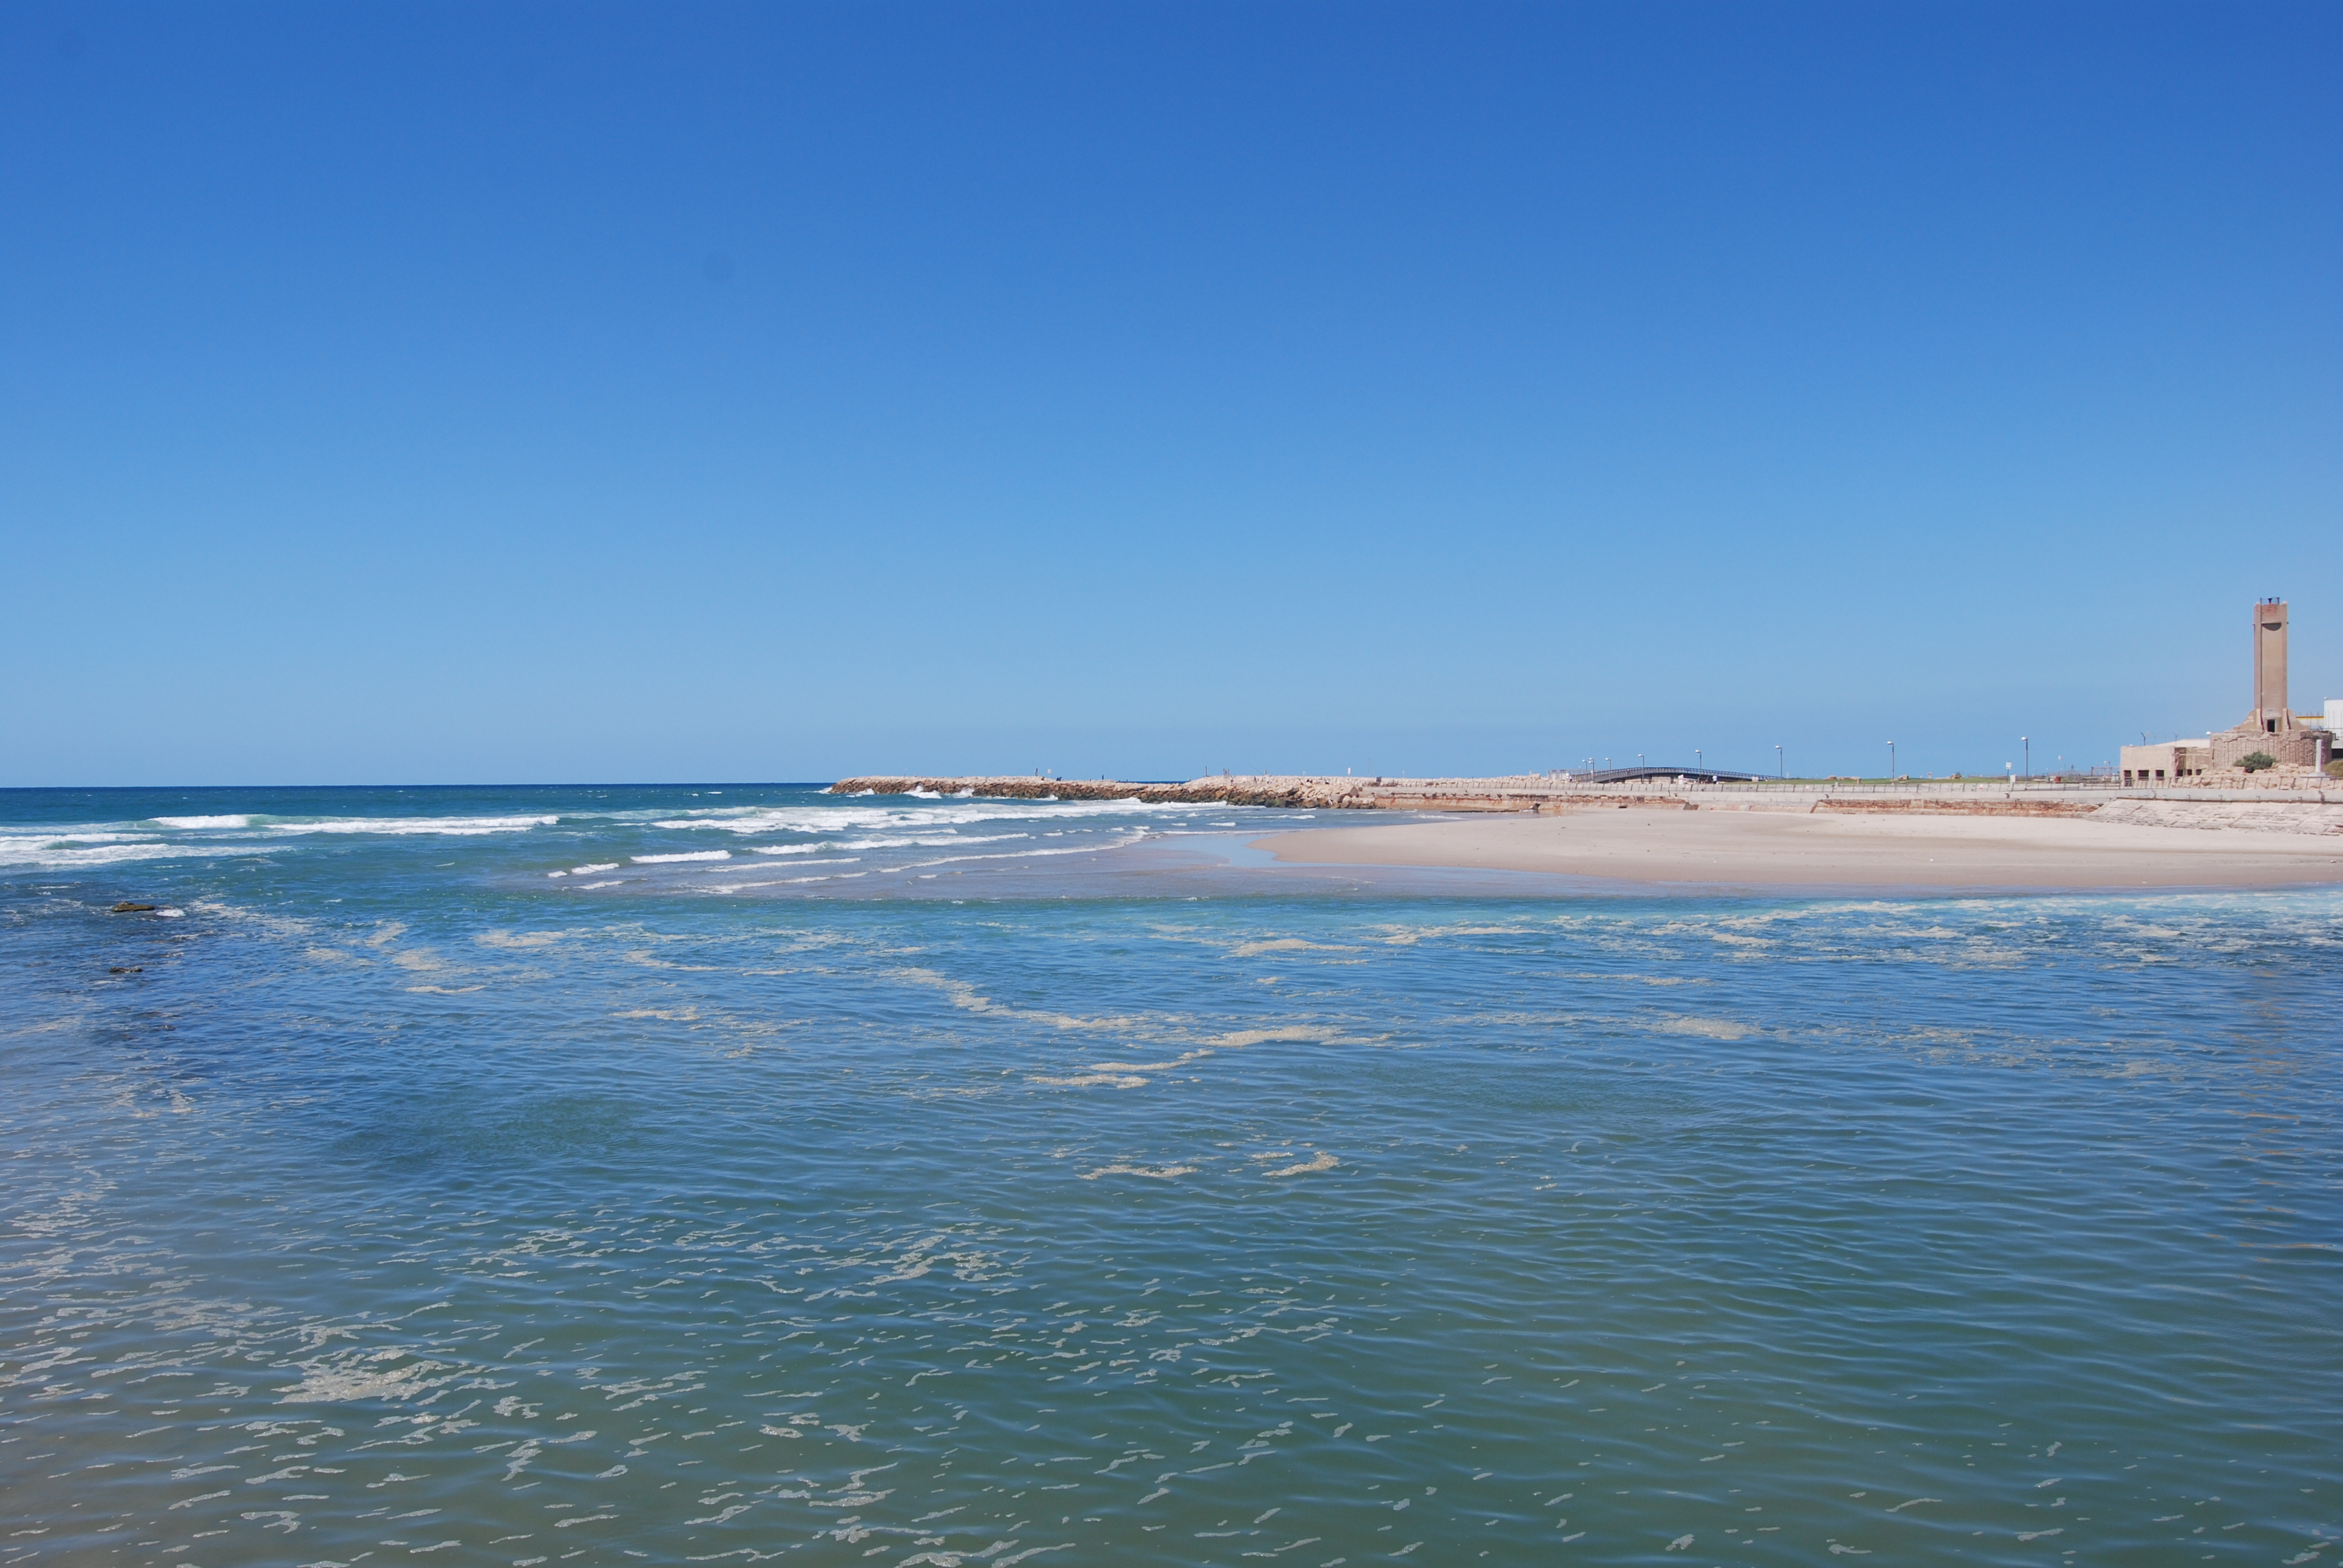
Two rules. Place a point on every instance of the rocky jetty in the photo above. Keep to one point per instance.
(1528, 793)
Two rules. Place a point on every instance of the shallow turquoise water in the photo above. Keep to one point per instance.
(402, 1201)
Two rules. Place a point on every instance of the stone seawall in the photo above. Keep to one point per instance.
(1924, 806)
(2256, 816)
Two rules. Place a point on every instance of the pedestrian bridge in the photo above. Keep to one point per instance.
(1645, 775)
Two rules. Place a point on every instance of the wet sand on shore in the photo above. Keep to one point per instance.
(1787, 850)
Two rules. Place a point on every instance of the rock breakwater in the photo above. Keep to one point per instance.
(1320, 793)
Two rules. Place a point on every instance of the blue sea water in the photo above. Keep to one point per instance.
(463, 1177)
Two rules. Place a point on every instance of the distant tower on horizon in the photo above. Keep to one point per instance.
(2270, 713)
(2273, 735)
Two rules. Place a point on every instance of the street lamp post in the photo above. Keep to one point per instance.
(1891, 762)
(2027, 741)
(1781, 769)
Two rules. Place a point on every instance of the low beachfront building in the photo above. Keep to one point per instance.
(2161, 764)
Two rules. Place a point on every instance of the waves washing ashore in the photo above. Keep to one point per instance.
(1104, 837)
(658, 840)
(530, 1176)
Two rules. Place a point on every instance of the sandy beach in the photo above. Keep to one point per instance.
(1826, 851)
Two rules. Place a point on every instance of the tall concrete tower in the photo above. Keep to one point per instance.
(2270, 736)
(2270, 714)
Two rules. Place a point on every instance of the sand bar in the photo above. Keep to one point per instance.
(1757, 849)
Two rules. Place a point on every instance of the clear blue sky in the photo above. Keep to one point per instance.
(471, 393)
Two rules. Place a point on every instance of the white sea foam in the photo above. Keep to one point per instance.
(670, 859)
(354, 1377)
(946, 841)
(462, 827)
(589, 870)
(1123, 843)
(66, 854)
(950, 811)
(91, 835)
(202, 821)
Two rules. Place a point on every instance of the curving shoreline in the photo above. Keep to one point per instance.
(1966, 836)
(1826, 851)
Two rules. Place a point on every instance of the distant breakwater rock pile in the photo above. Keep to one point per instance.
(1526, 793)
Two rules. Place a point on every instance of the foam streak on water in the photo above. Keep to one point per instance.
(403, 1201)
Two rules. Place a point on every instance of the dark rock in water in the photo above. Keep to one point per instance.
(127, 907)
(128, 970)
